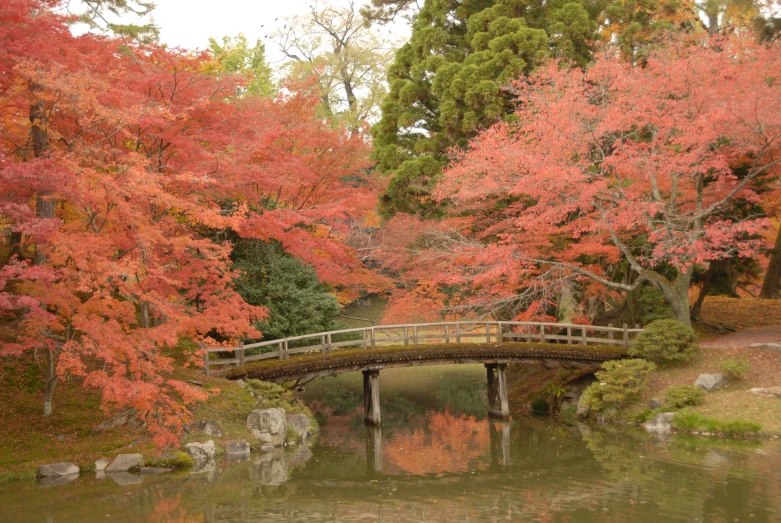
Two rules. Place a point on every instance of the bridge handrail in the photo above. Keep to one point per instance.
(369, 338)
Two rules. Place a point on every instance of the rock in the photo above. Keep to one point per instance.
(150, 471)
(124, 479)
(267, 447)
(767, 392)
(301, 425)
(583, 409)
(125, 462)
(654, 403)
(767, 346)
(270, 469)
(237, 449)
(124, 417)
(101, 464)
(55, 470)
(210, 427)
(661, 423)
(56, 481)
(269, 425)
(201, 451)
(710, 382)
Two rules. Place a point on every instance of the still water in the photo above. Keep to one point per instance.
(438, 458)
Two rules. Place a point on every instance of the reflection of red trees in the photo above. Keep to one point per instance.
(451, 444)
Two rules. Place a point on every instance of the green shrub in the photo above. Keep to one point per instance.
(693, 421)
(735, 369)
(683, 396)
(619, 383)
(665, 342)
(540, 406)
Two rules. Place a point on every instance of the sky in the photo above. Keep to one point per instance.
(190, 23)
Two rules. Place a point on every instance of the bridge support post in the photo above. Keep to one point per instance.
(371, 397)
(500, 442)
(374, 449)
(498, 404)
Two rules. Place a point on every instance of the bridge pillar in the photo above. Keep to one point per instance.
(371, 397)
(374, 449)
(498, 404)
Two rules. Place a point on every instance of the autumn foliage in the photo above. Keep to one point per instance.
(123, 169)
(652, 166)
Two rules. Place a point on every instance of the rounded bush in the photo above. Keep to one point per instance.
(683, 396)
(665, 342)
(620, 382)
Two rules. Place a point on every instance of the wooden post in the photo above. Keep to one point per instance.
(241, 353)
(498, 403)
(542, 333)
(287, 347)
(610, 332)
(374, 449)
(415, 335)
(374, 339)
(626, 336)
(569, 335)
(330, 344)
(205, 359)
(499, 332)
(406, 335)
(458, 333)
(280, 350)
(323, 348)
(447, 334)
(487, 333)
(583, 335)
(363, 335)
(371, 397)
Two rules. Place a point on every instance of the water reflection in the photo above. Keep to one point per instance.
(432, 462)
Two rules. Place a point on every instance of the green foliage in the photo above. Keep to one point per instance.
(665, 342)
(619, 383)
(271, 396)
(735, 369)
(298, 303)
(692, 421)
(540, 406)
(682, 396)
(235, 56)
(177, 460)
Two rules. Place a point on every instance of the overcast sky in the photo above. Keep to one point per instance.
(190, 23)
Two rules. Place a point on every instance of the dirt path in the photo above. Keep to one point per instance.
(745, 338)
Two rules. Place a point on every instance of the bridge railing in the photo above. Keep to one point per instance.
(422, 333)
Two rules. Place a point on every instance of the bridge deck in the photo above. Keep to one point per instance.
(309, 366)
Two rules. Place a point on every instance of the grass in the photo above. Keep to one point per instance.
(693, 421)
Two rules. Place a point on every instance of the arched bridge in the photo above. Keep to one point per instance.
(371, 349)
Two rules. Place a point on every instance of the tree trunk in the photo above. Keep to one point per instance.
(675, 293)
(771, 285)
(51, 382)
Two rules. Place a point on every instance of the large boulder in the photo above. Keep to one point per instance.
(125, 462)
(301, 425)
(65, 468)
(202, 451)
(710, 382)
(767, 392)
(210, 427)
(268, 425)
(661, 424)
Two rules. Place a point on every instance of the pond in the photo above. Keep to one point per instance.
(438, 458)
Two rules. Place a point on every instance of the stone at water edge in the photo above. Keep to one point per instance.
(267, 447)
(583, 409)
(125, 462)
(767, 392)
(268, 425)
(64, 468)
(210, 427)
(101, 464)
(301, 425)
(654, 403)
(237, 448)
(202, 451)
(661, 424)
(710, 382)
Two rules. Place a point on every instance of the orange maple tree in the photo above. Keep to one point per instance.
(122, 167)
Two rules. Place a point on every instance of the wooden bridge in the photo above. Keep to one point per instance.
(371, 349)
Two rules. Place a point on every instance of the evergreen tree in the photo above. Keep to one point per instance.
(298, 303)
